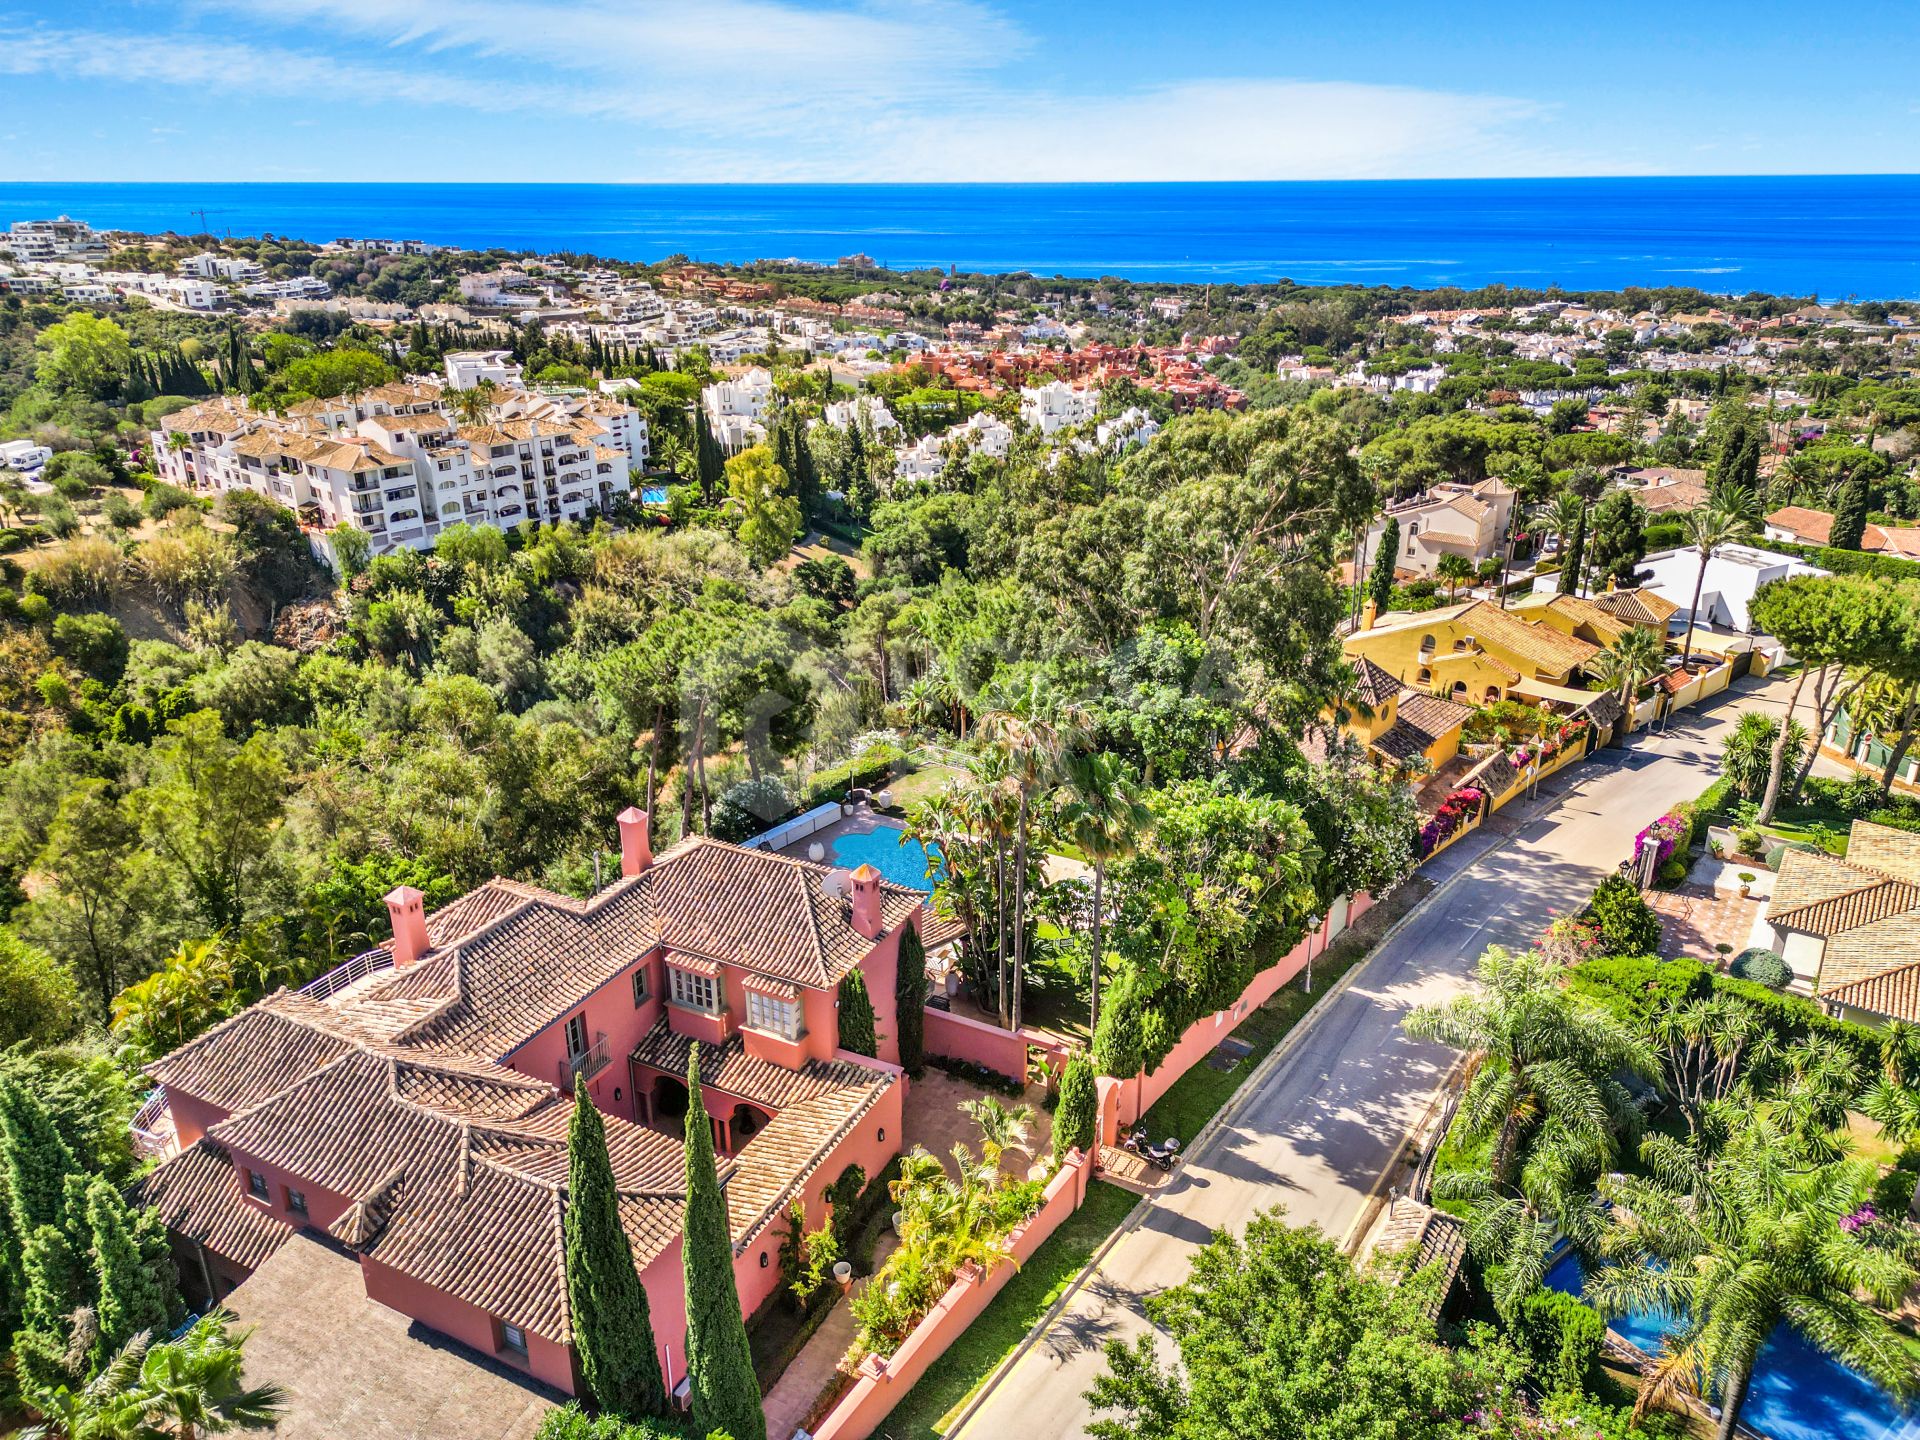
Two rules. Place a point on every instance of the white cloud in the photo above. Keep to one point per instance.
(774, 90)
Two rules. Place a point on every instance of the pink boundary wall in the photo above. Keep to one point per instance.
(961, 1037)
(883, 1383)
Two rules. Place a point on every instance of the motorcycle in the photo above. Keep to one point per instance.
(1162, 1155)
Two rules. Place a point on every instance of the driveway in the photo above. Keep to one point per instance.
(1317, 1130)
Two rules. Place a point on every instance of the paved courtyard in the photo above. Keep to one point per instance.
(935, 1120)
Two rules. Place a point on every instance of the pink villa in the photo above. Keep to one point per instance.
(409, 1111)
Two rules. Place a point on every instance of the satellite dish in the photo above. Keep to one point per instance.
(836, 882)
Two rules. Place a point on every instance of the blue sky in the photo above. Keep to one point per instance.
(634, 90)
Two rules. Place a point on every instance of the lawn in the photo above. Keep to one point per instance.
(955, 1376)
(909, 790)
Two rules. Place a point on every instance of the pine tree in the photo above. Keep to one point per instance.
(132, 1297)
(857, 1031)
(1380, 578)
(910, 1000)
(1076, 1116)
(725, 1394)
(1850, 514)
(1572, 561)
(612, 1323)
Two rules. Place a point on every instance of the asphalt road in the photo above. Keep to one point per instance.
(1316, 1132)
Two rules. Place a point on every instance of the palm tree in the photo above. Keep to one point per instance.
(1707, 529)
(1733, 1245)
(1568, 511)
(1030, 728)
(1542, 1054)
(1636, 657)
(1104, 814)
(472, 404)
(1886, 707)
(1514, 1232)
(1002, 1128)
(1453, 569)
(194, 1386)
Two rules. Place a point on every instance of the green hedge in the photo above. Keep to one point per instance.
(1634, 987)
(1851, 562)
(868, 770)
(1792, 1018)
(1563, 1338)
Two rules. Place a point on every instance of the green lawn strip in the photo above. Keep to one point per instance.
(953, 1378)
(1197, 1096)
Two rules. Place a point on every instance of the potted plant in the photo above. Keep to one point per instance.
(1747, 878)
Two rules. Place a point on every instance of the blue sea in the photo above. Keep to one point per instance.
(1832, 236)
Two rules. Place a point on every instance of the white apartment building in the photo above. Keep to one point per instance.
(51, 239)
(467, 368)
(397, 463)
(981, 433)
(737, 409)
(1056, 406)
(1133, 426)
(209, 266)
(300, 287)
(185, 291)
(869, 412)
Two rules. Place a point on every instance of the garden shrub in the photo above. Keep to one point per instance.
(1763, 967)
(744, 810)
(1563, 1338)
(1792, 1018)
(1076, 1116)
(1635, 987)
(1673, 872)
(1627, 923)
(1117, 1048)
(572, 1422)
(844, 1196)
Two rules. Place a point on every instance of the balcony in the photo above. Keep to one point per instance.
(587, 1064)
(154, 1136)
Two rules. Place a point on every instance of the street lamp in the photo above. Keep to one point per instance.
(1313, 929)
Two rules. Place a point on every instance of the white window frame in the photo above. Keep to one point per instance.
(773, 1015)
(513, 1338)
(576, 1035)
(691, 990)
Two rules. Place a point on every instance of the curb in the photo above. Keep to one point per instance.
(1221, 1118)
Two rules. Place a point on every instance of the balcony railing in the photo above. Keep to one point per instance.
(348, 973)
(153, 1132)
(588, 1063)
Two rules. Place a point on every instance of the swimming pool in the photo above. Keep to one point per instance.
(653, 495)
(890, 850)
(1796, 1393)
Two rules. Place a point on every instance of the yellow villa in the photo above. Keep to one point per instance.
(1475, 653)
(1602, 619)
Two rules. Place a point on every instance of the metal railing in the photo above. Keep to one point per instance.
(588, 1063)
(152, 1128)
(343, 975)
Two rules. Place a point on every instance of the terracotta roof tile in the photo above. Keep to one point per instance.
(197, 1195)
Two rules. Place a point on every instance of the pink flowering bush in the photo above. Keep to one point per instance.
(1454, 812)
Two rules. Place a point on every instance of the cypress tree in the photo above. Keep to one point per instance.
(710, 466)
(1075, 1117)
(1380, 578)
(34, 1165)
(725, 1394)
(856, 1016)
(612, 1323)
(1850, 514)
(910, 1000)
(1574, 558)
(132, 1297)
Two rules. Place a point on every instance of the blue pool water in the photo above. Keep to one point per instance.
(1797, 1393)
(892, 852)
(654, 495)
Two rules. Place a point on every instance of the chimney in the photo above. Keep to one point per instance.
(636, 845)
(866, 901)
(1369, 613)
(406, 909)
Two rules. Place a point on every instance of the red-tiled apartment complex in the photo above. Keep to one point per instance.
(417, 1113)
